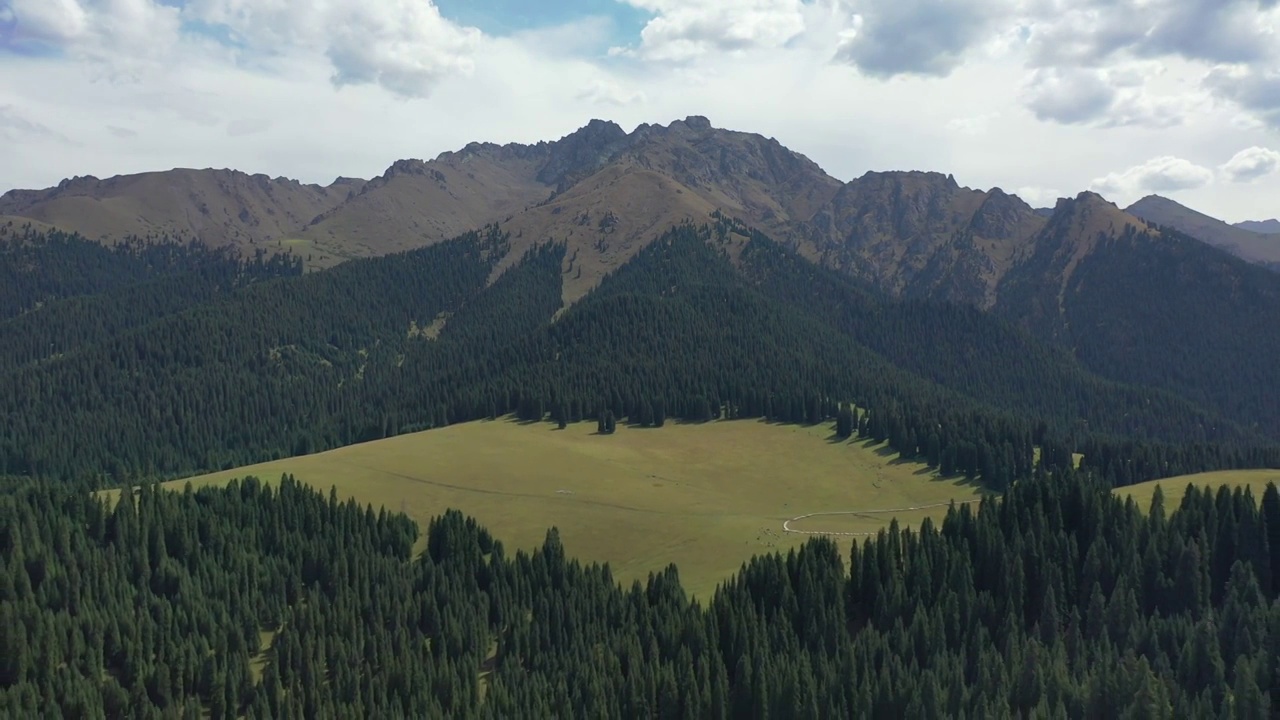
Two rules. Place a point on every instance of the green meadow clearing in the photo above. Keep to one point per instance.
(706, 497)
(1175, 488)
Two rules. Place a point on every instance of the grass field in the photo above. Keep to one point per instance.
(706, 497)
(1176, 487)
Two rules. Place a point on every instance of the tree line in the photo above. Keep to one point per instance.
(170, 376)
(1058, 600)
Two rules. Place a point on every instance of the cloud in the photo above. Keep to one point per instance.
(1217, 31)
(1116, 97)
(1141, 109)
(919, 37)
(1250, 164)
(1253, 89)
(1165, 174)
(604, 92)
(1082, 33)
(973, 125)
(122, 132)
(1068, 96)
(117, 32)
(241, 127)
(1113, 37)
(405, 46)
(684, 30)
(16, 126)
(1092, 32)
(226, 63)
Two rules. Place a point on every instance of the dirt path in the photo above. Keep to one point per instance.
(786, 526)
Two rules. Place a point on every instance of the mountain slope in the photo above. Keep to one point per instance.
(683, 328)
(220, 207)
(1152, 307)
(1035, 290)
(1245, 243)
(921, 234)
(416, 203)
(603, 191)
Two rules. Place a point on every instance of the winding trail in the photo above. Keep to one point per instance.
(786, 526)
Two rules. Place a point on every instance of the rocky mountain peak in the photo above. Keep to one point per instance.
(1001, 215)
(582, 152)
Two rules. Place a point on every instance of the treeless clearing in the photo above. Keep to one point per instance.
(1176, 487)
(706, 497)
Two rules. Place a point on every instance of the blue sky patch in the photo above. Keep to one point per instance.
(505, 17)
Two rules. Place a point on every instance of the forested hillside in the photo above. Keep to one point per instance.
(1162, 310)
(40, 267)
(250, 601)
(197, 370)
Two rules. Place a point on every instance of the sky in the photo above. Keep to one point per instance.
(1045, 98)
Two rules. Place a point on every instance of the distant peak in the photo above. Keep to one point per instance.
(78, 181)
(407, 166)
(602, 125)
(1088, 198)
(597, 128)
(908, 176)
(698, 122)
(1154, 200)
(582, 151)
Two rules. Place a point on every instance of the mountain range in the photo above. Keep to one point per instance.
(705, 270)
(1265, 227)
(607, 193)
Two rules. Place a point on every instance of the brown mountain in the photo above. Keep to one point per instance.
(1252, 246)
(606, 193)
(222, 207)
(1036, 287)
(603, 191)
(922, 234)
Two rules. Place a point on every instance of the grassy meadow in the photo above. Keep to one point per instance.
(706, 497)
(1175, 488)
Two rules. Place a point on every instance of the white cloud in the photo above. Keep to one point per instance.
(1139, 108)
(921, 37)
(265, 101)
(1092, 32)
(17, 126)
(1212, 30)
(1251, 164)
(49, 20)
(683, 30)
(248, 126)
(604, 92)
(1165, 174)
(1111, 98)
(1257, 90)
(119, 33)
(405, 46)
(1068, 96)
(972, 125)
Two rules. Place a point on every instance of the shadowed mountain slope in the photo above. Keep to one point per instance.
(1248, 243)
(1265, 227)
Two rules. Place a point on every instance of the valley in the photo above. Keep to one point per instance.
(659, 423)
